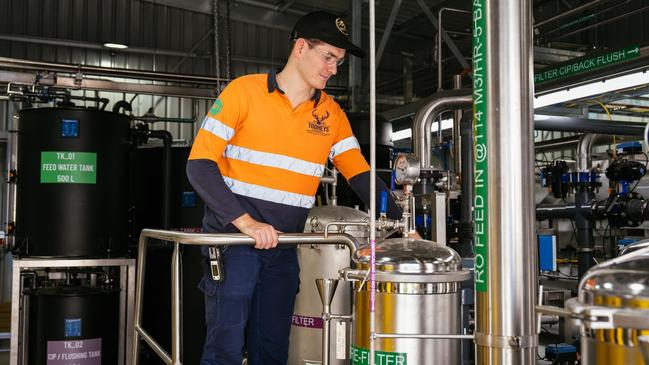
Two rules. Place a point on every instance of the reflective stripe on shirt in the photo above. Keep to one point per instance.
(274, 160)
(268, 194)
(217, 128)
(344, 145)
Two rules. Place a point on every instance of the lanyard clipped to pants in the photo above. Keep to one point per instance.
(216, 264)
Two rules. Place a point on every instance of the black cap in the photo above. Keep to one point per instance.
(326, 27)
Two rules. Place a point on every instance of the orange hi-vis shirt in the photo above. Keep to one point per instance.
(267, 150)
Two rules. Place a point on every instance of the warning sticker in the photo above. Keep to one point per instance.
(77, 352)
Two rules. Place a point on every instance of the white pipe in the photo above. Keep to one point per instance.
(584, 147)
(372, 180)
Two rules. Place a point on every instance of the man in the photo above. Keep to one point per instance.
(256, 162)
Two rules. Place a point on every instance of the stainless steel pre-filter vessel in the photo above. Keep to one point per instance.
(418, 291)
(323, 261)
(613, 307)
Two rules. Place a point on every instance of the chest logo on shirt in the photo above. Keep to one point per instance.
(317, 125)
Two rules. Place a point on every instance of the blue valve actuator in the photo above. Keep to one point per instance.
(383, 203)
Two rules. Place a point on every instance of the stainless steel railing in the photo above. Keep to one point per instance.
(180, 238)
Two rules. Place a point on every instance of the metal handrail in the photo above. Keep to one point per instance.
(200, 239)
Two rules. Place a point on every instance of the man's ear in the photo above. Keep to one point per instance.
(298, 49)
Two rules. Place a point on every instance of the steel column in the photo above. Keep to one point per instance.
(355, 63)
(505, 243)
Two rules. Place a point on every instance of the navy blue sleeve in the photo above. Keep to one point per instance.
(205, 177)
(361, 186)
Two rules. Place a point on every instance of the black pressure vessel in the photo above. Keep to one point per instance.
(73, 325)
(72, 177)
(360, 123)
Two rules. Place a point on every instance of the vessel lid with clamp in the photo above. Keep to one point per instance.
(412, 260)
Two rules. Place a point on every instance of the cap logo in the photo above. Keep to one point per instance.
(342, 27)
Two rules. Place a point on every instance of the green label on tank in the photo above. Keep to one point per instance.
(480, 154)
(586, 63)
(68, 167)
(361, 356)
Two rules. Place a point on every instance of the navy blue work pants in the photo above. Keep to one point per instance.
(252, 307)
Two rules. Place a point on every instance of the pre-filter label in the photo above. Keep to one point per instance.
(361, 356)
(74, 352)
(306, 321)
(68, 167)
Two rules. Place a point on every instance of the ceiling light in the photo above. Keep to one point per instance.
(595, 88)
(407, 133)
(115, 45)
(402, 134)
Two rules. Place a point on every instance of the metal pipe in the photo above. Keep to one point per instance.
(424, 336)
(580, 125)
(97, 46)
(372, 324)
(572, 141)
(431, 108)
(584, 230)
(586, 18)
(139, 294)
(154, 345)
(326, 179)
(12, 188)
(334, 185)
(457, 141)
(556, 211)
(343, 224)
(326, 330)
(569, 12)
(604, 22)
(24, 337)
(176, 306)
(556, 144)
(584, 147)
(503, 110)
(103, 71)
(440, 31)
(557, 311)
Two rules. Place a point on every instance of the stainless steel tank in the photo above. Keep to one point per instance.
(635, 246)
(323, 261)
(613, 310)
(418, 291)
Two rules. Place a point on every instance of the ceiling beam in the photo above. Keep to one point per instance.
(449, 42)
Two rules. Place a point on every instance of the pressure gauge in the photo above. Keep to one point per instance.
(406, 169)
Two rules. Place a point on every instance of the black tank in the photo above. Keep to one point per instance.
(72, 183)
(360, 123)
(73, 325)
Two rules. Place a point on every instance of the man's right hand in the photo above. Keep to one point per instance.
(264, 234)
